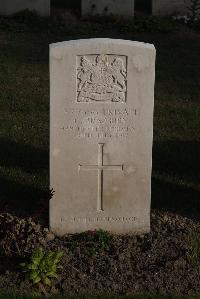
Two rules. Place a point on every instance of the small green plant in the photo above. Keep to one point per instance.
(94, 242)
(193, 254)
(42, 266)
(104, 238)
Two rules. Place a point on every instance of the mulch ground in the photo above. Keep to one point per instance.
(164, 261)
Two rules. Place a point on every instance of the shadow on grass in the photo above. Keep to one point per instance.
(171, 197)
(26, 157)
(180, 158)
(23, 200)
(23, 196)
(176, 187)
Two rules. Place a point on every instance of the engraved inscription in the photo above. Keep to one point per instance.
(101, 78)
(99, 219)
(100, 168)
(100, 124)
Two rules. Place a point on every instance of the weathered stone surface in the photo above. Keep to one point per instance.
(108, 7)
(102, 95)
(166, 7)
(8, 7)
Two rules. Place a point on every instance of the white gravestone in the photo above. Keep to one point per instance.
(108, 7)
(8, 7)
(172, 7)
(102, 96)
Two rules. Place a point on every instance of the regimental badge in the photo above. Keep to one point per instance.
(102, 78)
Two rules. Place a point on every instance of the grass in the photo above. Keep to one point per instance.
(24, 115)
(15, 296)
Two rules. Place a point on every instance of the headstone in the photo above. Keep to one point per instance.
(102, 96)
(108, 7)
(172, 7)
(9, 7)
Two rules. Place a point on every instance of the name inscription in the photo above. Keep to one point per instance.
(105, 123)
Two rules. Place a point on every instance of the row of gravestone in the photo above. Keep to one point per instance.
(97, 7)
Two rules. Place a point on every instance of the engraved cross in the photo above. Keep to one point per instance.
(100, 168)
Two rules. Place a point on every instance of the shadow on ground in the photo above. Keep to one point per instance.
(17, 196)
(174, 198)
(176, 188)
(180, 158)
(24, 156)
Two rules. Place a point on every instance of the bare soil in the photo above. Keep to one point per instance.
(164, 261)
